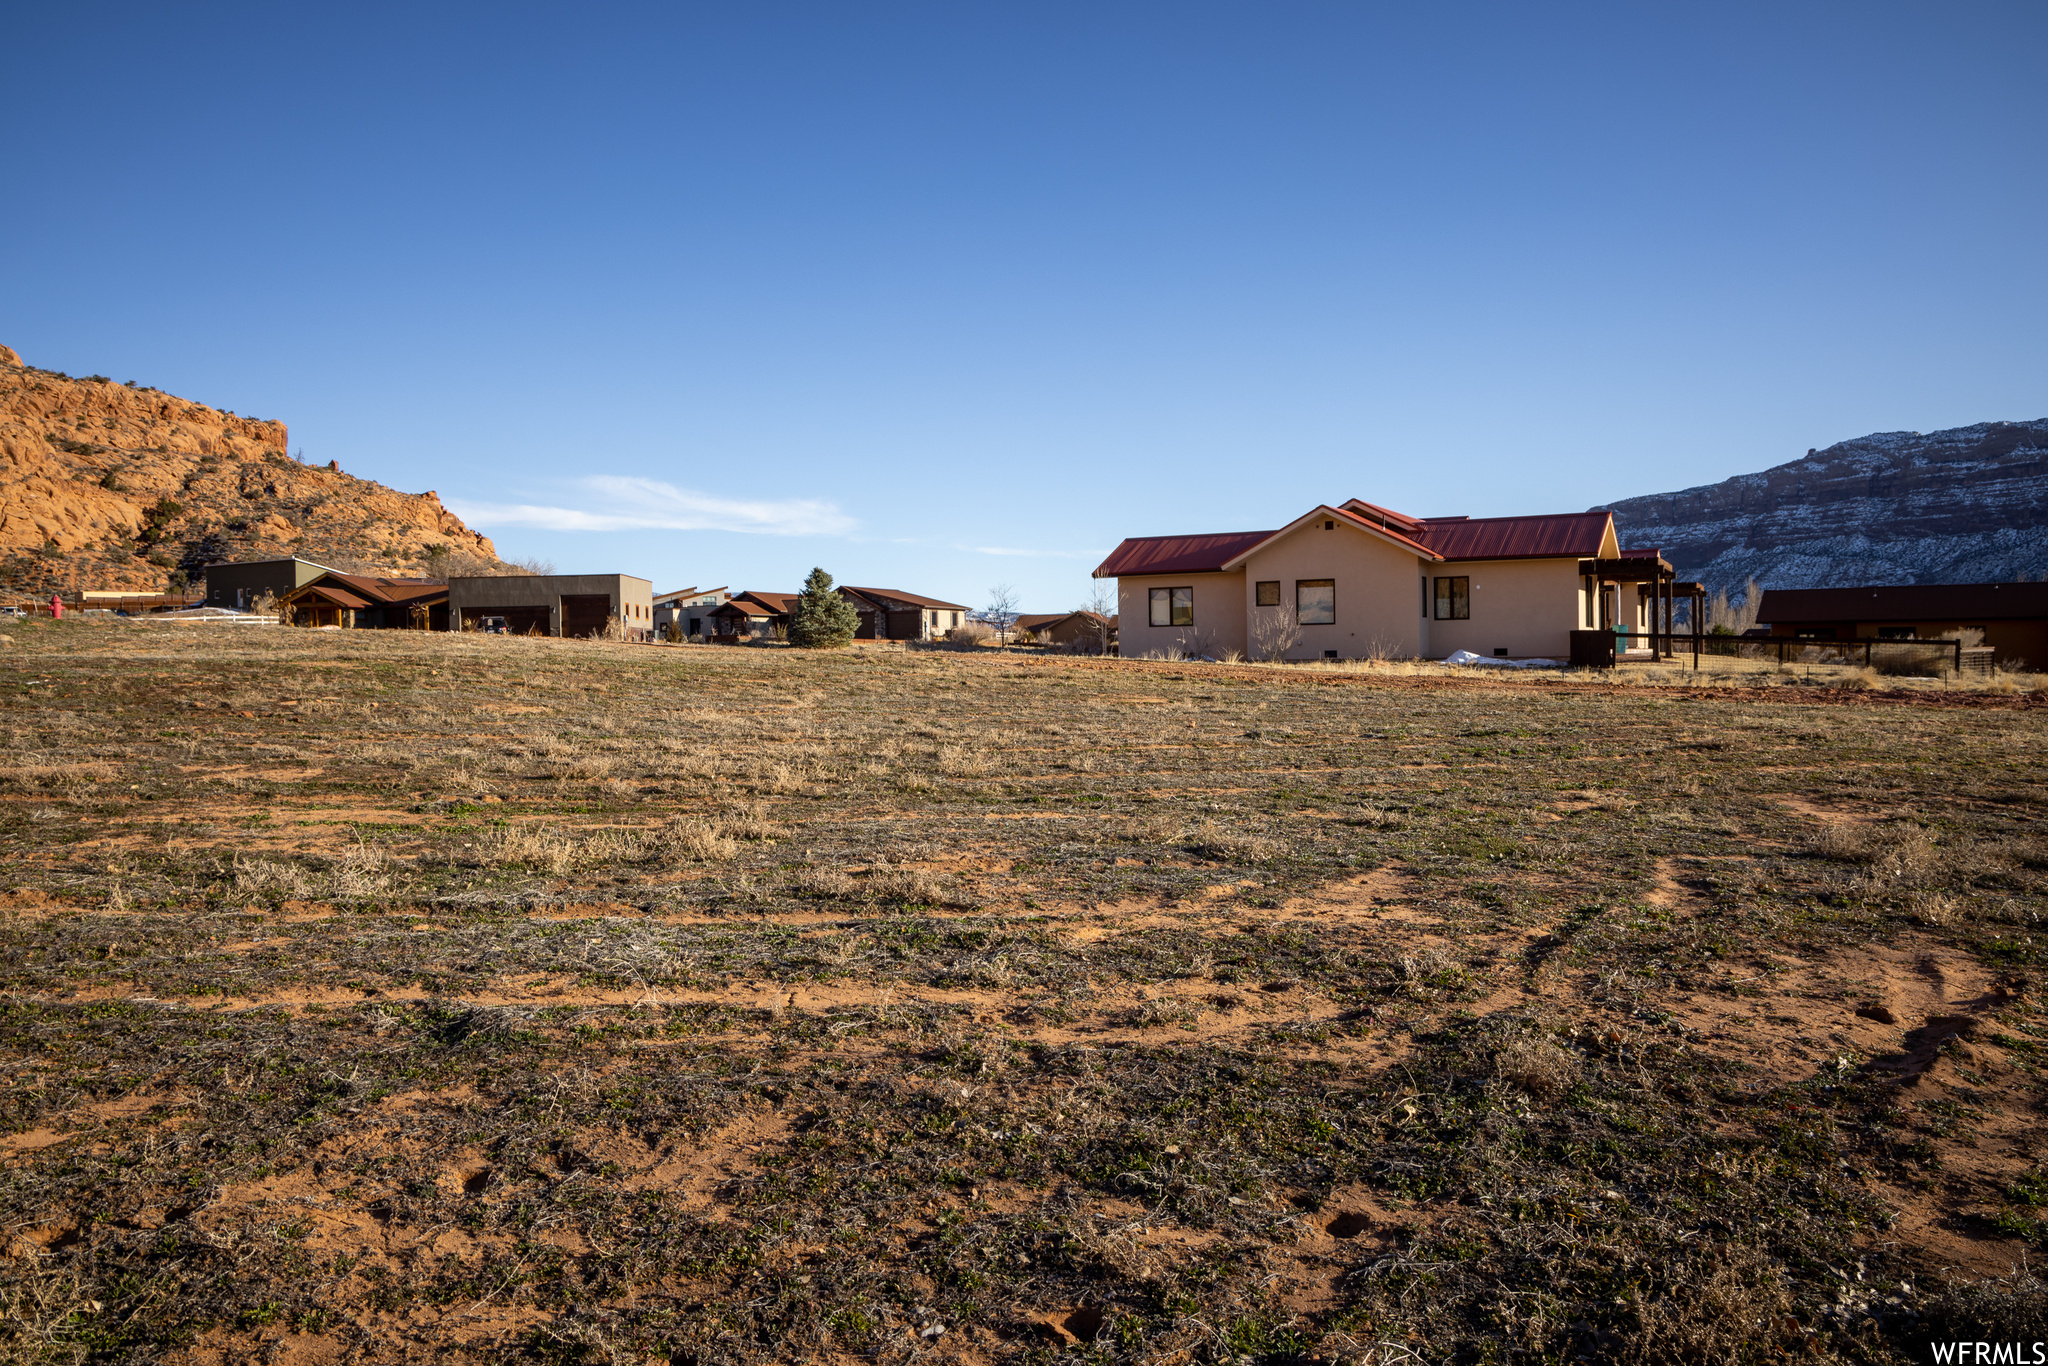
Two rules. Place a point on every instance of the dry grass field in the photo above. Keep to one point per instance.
(381, 997)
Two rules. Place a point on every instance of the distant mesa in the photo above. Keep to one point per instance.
(1966, 505)
(119, 486)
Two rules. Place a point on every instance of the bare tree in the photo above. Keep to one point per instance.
(1001, 611)
(1101, 601)
(1725, 618)
(1275, 631)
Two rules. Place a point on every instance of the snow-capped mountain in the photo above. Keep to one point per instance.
(1968, 505)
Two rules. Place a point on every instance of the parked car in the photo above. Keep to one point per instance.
(495, 626)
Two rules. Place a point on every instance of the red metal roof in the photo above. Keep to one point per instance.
(1574, 534)
(1384, 517)
(1959, 602)
(1177, 554)
(1369, 517)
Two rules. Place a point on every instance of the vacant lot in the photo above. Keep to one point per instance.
(380, 997)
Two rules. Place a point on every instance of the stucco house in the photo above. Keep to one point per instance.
(1361, 581)
(687, 609)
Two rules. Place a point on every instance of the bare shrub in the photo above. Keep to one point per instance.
(961, 762)
(1935, 908)
(1536, 1065)
(829, 884)
(266, 877)
(969, 635)
(1714, 1309)
(552, 850)
(912, 886)
(362, 871)
(683, 837)
(1214, 841)
(1274, 632)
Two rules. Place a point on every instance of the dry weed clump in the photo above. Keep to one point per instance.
(272, 878)
(1214, 841)
(1536, 1064)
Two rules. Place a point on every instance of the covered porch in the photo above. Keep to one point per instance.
(1632, 609)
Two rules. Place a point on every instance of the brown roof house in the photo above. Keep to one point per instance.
(892, 614)
(2012, 616)
(368, 601)
(1363, 581)
(1079, 632)
(751, 615)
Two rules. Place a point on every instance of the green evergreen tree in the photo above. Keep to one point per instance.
(823, 620)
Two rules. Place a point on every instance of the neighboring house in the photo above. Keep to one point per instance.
(2012, 616)
(891, 614)
(687, 609)
(368, 601)
(554, 604)
(240, 585)
(1082, 631)
(750, 615)
(1363, 581)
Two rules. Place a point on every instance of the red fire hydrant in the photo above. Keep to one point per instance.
(56, 605)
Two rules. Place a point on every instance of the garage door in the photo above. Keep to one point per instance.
(519, 621)
(584, 614)
(906, 626)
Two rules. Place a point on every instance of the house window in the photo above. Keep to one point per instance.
(1454, 599)
(1425, 597)
(1268, 593)
(1173, 607)
(1315, 601)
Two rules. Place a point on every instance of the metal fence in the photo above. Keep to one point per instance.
(1907, 656)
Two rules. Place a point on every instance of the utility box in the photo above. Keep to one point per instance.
(1592, 649)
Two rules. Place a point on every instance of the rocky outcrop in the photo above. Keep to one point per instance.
(106, 485)
(1967, 505)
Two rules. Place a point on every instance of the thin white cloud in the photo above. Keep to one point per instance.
(1032, 554)
(624, 503)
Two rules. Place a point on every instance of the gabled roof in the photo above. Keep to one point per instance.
(757, 604)
(1905, 602)
(1036, 620)
(1564, 535)
(877, 595)
(1205, 554)
(1344, 517)
(364, 590)
(1576, 535)
(327, 592)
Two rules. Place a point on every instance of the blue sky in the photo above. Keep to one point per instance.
(941, 296)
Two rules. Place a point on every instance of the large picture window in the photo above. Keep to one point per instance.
(1454, 599)
(1268, 593)
(1173, 607)
(1315, 601)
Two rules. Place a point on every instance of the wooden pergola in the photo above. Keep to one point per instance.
(1657, 583)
